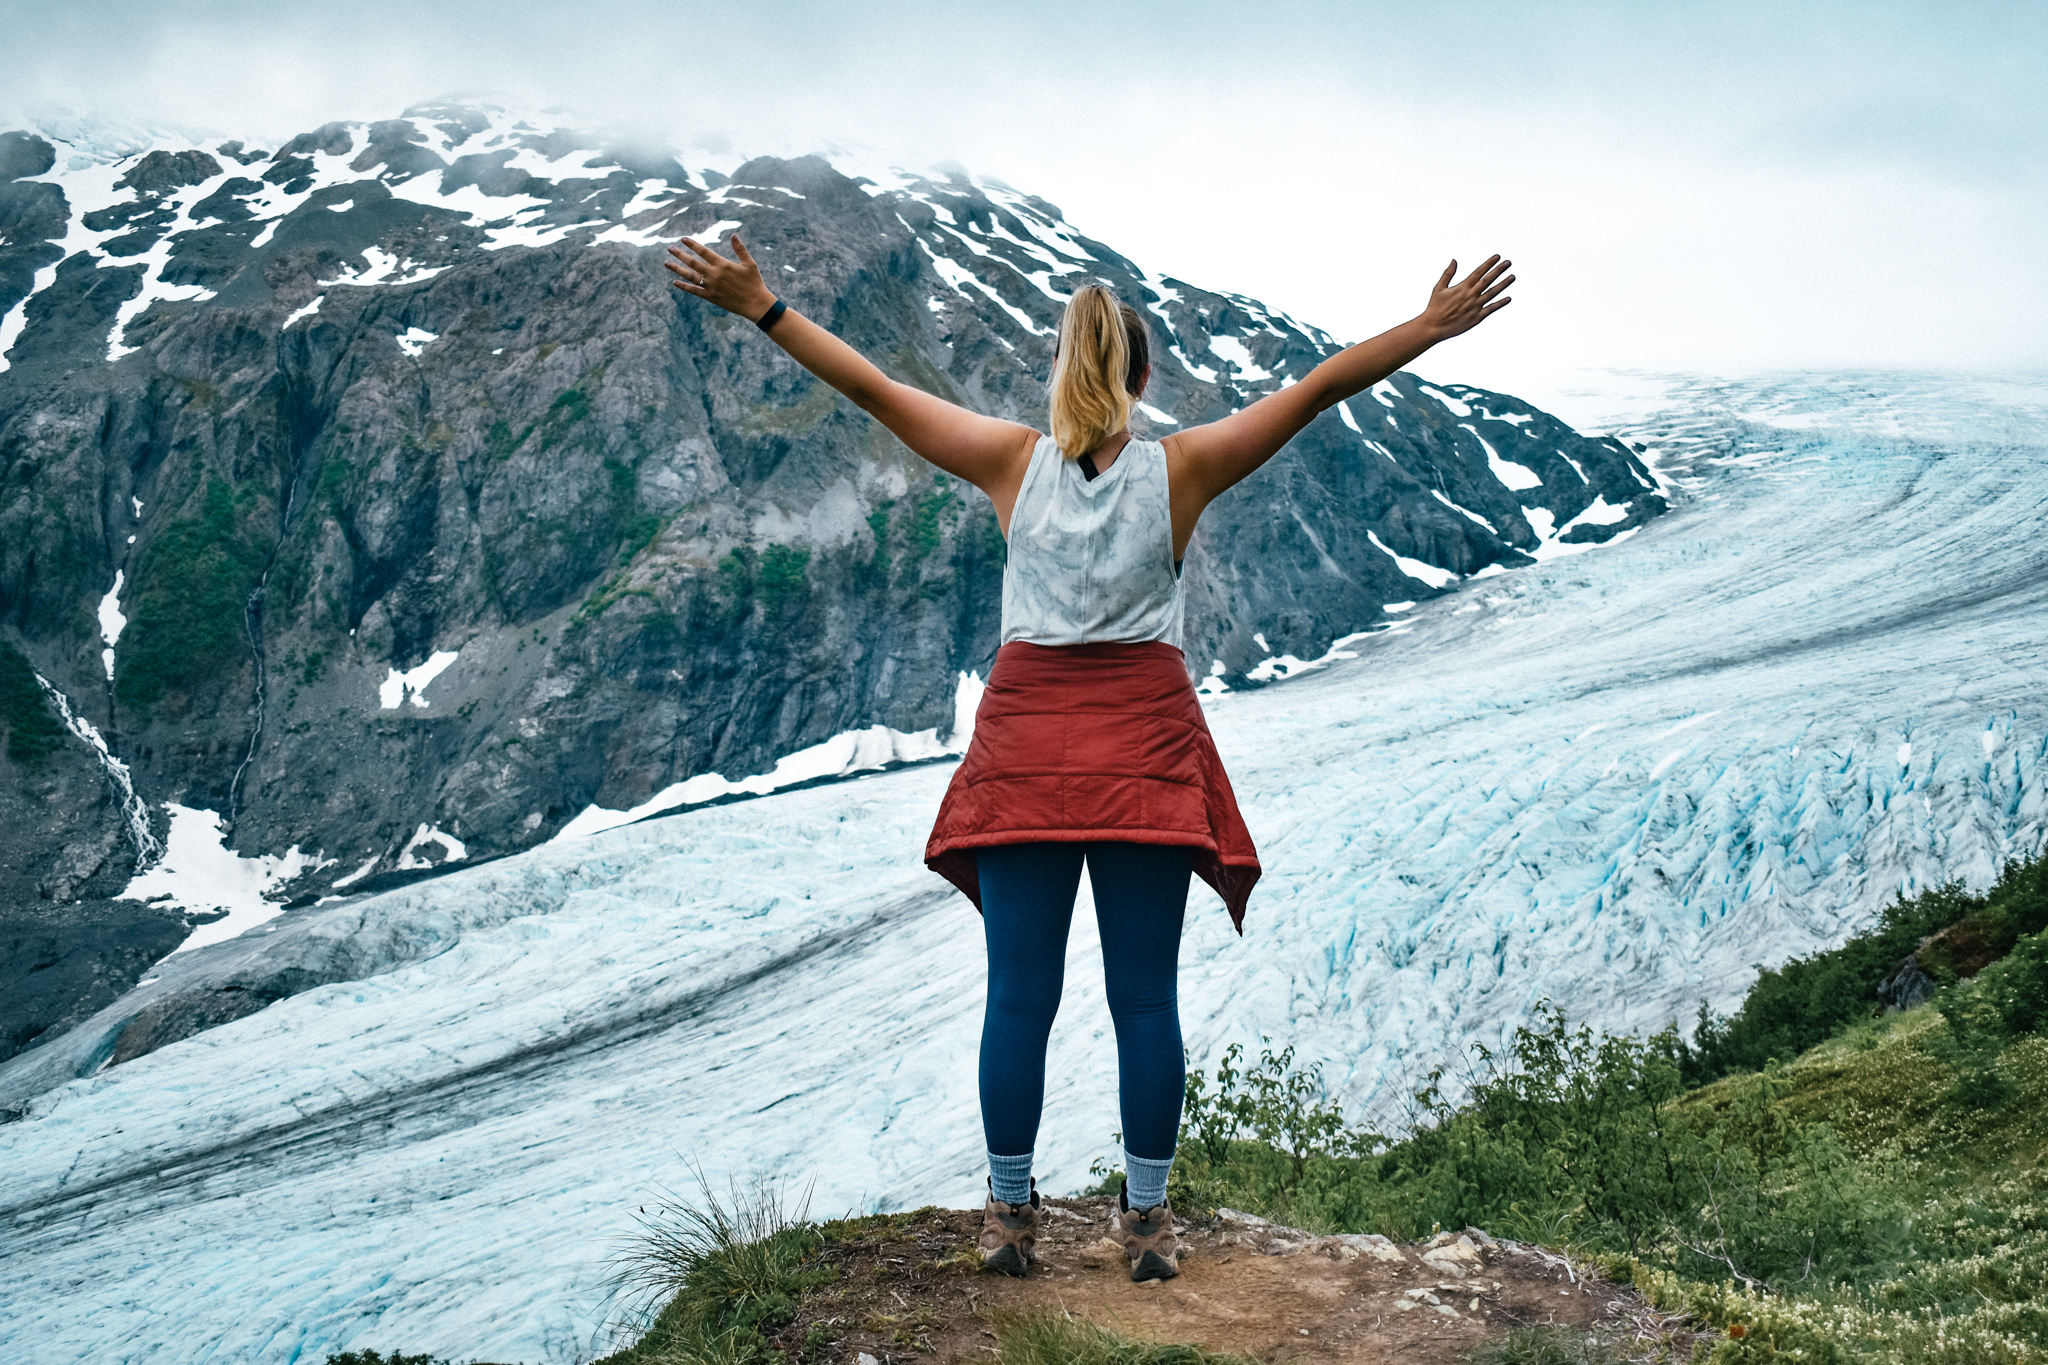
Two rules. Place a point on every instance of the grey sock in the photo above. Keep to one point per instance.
(1009, 1178)
(1145, 1180)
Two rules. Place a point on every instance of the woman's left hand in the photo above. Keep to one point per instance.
(1458, 308)
(734, 286)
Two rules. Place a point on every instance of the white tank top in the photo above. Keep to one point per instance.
(1091, 560)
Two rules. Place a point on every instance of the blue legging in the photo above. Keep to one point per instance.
(1027, 902)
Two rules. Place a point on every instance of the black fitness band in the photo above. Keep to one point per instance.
(772, 316)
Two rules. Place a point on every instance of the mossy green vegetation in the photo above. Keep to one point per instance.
(923, 528)
(782, 573)
(776, 575)
(878, 526)
(185, 624)
(33, 730)
(570, 407)
(1882, 1196)
(1549, 1345)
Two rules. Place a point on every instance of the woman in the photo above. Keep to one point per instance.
(1089, 744)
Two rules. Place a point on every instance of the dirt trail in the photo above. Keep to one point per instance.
(915, 1292)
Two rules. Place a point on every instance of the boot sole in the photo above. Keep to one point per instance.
(1004, 1260)
(1153, 1266)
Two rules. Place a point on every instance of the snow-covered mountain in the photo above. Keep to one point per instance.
(1618, 781)
(371, 504)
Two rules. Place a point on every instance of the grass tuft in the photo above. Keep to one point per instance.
(706, 1281)
(1057, 1339)
(1549, 1345)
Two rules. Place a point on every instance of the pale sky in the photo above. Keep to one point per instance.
(1718, 187)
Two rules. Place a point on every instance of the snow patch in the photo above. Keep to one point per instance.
(1465, 512)
(413, 342)
(852, 751)
(112, 623)
(304, 311)
(1239, 357)
(1599, 513)
(412, 858)
(1515, 477)
(1205, 373)
(201, 874)
(369, 866)
(381, 267)
(1458, 408)
(396, 685)
(1414, 568)
(1279, 668)
(1164, 418)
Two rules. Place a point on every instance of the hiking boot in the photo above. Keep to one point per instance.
(1009, 1234)
(1148, 1238)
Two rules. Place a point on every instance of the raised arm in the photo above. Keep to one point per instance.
(988, 452)
(1204, 461)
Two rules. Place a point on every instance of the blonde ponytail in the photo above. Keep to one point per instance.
(1098, 371)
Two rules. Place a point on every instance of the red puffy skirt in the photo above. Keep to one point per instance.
(1093, 743)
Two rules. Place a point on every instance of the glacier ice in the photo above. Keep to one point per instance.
(1618, 780)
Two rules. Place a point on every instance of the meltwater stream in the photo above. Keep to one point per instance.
(1617, 780)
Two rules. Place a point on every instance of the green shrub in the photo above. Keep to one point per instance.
(782, 573)
(185, 625)
(1811, 999)
(2006, 1001)
(2014, 908)
(2013, 991)
(33, 730)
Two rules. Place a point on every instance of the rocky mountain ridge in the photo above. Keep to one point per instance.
(370, 503)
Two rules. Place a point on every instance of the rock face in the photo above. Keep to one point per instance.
(377, 493)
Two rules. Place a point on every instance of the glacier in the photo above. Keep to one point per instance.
(1618, 780)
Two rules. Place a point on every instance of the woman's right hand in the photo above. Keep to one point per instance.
(735, 286)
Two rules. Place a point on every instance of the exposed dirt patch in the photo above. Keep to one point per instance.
(911, 1288)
